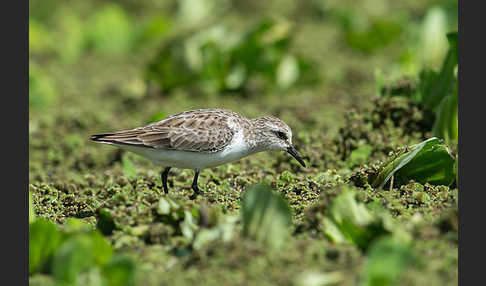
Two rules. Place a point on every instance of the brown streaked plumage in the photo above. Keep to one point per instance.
(202, 138)
(199, 130)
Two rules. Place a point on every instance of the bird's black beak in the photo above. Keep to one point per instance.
(291, 150)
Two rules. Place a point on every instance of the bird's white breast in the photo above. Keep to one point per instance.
(195, 160)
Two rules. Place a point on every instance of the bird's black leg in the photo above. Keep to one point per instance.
(194, 186)
(164, 175)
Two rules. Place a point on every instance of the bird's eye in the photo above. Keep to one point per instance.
(281, 135)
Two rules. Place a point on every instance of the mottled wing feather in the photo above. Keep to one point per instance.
(196, 130)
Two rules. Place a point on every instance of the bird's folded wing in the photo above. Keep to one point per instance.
(182, 139)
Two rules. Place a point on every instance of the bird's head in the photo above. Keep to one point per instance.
(274, 134)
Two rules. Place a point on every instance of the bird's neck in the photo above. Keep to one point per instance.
(255, 137)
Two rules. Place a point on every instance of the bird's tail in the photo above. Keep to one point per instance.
(125, 137)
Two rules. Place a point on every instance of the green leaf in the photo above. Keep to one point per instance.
(446, 123)
(164, 206)
(266, 216)
(105, 222)
(102, 250)
(188, 226)
(433, 43)
(44, 239)
(31, 209)
(427, 162)
(79, 253)
(435, 88)
(387, 260)
(73, 257)
(350, 221)
(120, 270)
(287, 71)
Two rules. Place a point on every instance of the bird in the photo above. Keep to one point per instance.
(202, 138)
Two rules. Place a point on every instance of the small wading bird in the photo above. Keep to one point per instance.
(202, 138)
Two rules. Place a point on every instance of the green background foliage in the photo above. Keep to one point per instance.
(361, 83)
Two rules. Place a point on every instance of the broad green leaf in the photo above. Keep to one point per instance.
(44, 239)
(287, 71)
(426, 162)
(434, 44)
(435, 88)
(223, 231)
(387, 260)
(188, 226)
(164, 206)
(446, 123)
(120, 270)
(266, 216)
(80, 252)
(102, 250)
(74, 256)
(350, 221)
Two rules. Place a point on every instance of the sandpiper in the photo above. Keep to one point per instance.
(203, 138)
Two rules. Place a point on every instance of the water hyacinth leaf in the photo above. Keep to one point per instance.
(446, 124)
(74, 256)
(164, 206)
(387, 260)
(434, 87)
(434, 44)
(44, 239)
(188, 226)
(287, 71)
(101, 248)
(81, 251)
(266, 216)
(120, 270)
(427, 162)
(350, 221)
(223, 231)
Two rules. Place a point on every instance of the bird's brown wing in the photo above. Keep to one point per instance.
(197, 130)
